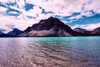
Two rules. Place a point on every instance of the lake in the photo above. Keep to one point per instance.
(50, 52)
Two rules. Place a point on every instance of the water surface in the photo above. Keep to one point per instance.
(50, 52)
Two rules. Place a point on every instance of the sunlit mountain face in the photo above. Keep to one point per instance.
(21, 14)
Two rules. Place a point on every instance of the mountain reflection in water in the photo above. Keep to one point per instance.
(49, 52)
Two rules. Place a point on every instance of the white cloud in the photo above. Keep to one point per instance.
(43, 16)
(76, 26)
(4, 1)
(22, 17)
(67, 7)
(91, 26)
(21, 23)
(2, 9)
(13, 12)
(87, 13)
(97, 10)
(20, 3)
(33, 12)
(66, 22)
(13, 1)
(14, 7)
(82, 26)
(84, 13)
(59, 7)
(92, 5)
(76, 17)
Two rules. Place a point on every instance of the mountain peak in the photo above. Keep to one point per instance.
(51, 17)
(15, 32)
(47, 24)
(15, 29)
(57, 27)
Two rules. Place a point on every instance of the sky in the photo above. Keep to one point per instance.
(24, 13)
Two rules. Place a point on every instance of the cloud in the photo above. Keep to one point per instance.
(65, 7)
(76, 17)
(66, 22)
(44, 16)
(4, 1)
(14, 7)
(85, 13)
(12, 22)
(10, 26)
(59, 7)
(76, 26)
(34, 12)
(91, 26)
(13, 12)
(92, 5)
(20, 3)
(97, 10)
(3, 9)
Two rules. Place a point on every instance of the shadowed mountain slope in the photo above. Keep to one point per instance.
(15, 32)
(49, 27)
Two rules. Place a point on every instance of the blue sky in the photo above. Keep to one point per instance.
(23, 13)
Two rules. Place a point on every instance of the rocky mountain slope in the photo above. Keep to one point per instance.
(49, 27)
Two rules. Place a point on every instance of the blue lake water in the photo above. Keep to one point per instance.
(50, 52)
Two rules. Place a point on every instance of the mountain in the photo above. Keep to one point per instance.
(49, 27)
(15, 32)
(95, 32)
(80, 30)
(2, 34)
